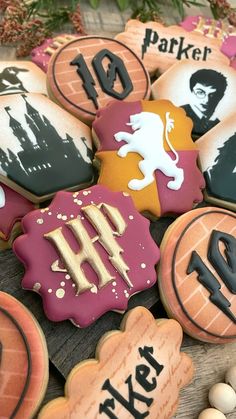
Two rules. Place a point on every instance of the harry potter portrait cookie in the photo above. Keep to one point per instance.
(205, 91)
(217, 158)
(138, 372)
(21, 77)
(197, 275)
(23, 360)
(41, 55)
(86, 73)
(145, 149)
(159, 47)
(95, 253)
(13, 207)
(43, 149)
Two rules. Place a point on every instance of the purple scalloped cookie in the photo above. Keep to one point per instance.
(41, 55)
(86, 254)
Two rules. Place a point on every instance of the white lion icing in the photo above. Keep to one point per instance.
(148, 140)
(2, 198)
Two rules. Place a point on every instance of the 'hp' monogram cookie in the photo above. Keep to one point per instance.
(43, 149)
(145, 148)
(217, 157)
(159, 47)
(95, 252)
(197, 275)
(205, 91)
(23, 360)
(138, 372)
(13, 207)
(86, 73)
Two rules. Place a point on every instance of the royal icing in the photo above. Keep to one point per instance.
(217, 151)
(43, 148)
(159, 47)
(206, 93)
(23, 360)
(138, 372)
(197, 273)
(86, 73)
(96, 252)
(148, 149)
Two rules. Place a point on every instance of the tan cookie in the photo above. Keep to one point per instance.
(217, 158)
(86, 73)
(21, 77)
(138, 372)
(197, 274)
(159, 47)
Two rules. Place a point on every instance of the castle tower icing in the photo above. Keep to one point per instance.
(18, 130)
(89, 151)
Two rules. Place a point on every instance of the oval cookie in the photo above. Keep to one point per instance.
(138, 372)
(85, 74)
(96, 252)
(23, 360)
(145, 149)
(197, 275)
(43, 149)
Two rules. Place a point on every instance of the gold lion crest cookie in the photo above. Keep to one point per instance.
(138, 372)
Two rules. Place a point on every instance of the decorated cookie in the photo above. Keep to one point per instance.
(145, 149)
(41, 55)
(197, 274)
(86, 73)
(43, 149)
(23, 360)
(96, 252)
(205, 92)
(159, 47)
(217, 158)
(21, 77)
(13, 207)
(211, 28)
(138, 372)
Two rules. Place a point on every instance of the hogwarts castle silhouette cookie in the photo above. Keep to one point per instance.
(21, 77)
(205, 91)
(88, 72)
(217, 158)
(43, 149)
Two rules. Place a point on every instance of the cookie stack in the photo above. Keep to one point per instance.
(83, 171)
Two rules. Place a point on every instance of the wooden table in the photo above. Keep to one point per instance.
(211, 361)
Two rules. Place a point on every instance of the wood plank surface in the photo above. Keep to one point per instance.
(68, 345)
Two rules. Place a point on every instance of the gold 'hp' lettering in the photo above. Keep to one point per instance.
(88, 253)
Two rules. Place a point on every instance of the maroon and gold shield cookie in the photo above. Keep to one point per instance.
(86, 73)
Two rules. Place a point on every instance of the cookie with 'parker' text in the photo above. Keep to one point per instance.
(159, 47)
(137, 372)
(21, 77)
(145, 149)
(197, 274)
(86, 73)
(23, 360)
(13, 207)
(43, 149)
(217, 159)
(204, 90)
(95, 253)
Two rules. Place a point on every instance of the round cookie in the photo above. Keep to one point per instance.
(95, 253)
(13, 207)
(197, 274)
(43, 149)
(138, 372)
(217, 159)
(23, 360)
(145, 149)
(86, 73)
